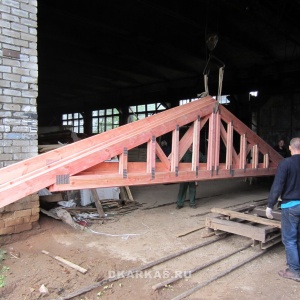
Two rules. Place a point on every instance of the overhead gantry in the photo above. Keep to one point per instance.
(86, 164)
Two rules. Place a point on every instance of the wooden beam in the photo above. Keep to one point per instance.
(217, 141)
(196, 145)
(163, 158)
(250, 231)
(247, 217)
(123, 162)
(98, 203)
(142, 178)
(211, 143)
(229, 146)
(243, 154)
(175, 151)
(151, 156)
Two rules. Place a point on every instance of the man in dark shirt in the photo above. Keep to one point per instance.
(281, 149)
(287, 185)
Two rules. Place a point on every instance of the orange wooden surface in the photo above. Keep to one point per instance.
(83, 164)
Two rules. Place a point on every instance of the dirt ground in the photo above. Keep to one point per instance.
(140, 237)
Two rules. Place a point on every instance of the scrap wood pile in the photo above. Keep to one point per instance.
(52, 140)
(67, 206)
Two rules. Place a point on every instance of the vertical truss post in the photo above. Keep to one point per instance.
(196, 146)
(217, 141)
(123, 161)
(211, 143)
(254, 157)
(243, 152)
(229, 146)
(151, 156)
(266, 161)
(175, 150)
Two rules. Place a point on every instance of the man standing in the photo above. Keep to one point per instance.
(183, 186)
(281, 149)
(287, 185)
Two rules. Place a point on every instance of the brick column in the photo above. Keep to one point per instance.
(18, 109)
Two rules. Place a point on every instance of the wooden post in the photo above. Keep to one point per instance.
(98, 203)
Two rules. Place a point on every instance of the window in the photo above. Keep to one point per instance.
(138, 112)
(185, 101)
(223, 100)
(73, 120)
(105, 119)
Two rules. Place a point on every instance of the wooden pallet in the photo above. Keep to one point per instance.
(261, 230)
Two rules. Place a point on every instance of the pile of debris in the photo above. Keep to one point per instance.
(82, 208)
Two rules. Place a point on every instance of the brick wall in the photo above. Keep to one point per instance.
(19, 216)
(18, 109)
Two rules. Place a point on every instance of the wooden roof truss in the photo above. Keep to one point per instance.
(86, 164)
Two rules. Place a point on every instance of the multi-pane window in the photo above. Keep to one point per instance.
(185, 101)
(73, 120)
(222, 100)
(105, 119)
(138, 112)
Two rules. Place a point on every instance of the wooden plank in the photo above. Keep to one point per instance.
(163, 158)
(186, 141)
(123, 162)
(130, 197)
(211, 143)
(217, 141)
(66, 262)
(98, 203)
(229, 146)
(151, 156)
(184, 174)
(261, 211)
(243, 154)
(253, 232)
(196, 145)
(175, 151)
(254, 155)
(266, 160)
(247, 217)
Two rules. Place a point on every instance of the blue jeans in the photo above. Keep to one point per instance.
(290, 231)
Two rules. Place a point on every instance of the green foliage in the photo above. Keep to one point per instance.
(3, 270)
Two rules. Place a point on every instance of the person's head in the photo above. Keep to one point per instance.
(164, 143)
(281, 143)
(295, 146)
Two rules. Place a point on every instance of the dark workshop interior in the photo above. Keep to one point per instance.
(114, 54)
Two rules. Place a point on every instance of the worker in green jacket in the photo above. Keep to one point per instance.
(184, 186)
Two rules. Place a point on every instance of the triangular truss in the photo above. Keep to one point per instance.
(84, 164)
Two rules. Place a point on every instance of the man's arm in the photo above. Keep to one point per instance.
(277, 188)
